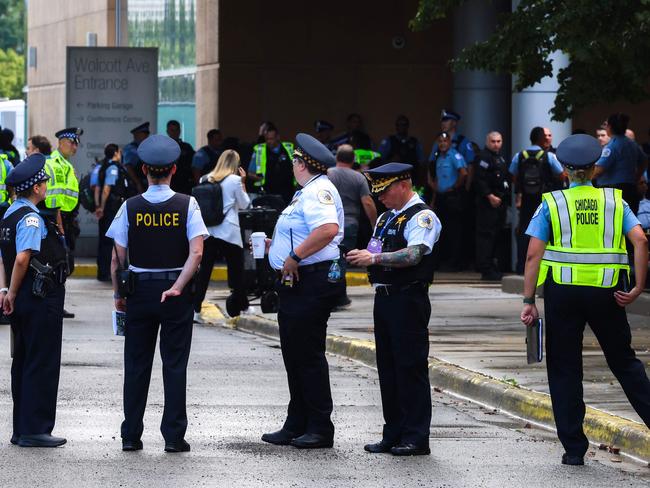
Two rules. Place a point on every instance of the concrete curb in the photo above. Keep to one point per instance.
(631, 437)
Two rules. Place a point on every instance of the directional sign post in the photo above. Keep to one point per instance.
(109, 91)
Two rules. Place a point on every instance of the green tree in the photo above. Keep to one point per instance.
(12, 25)
(13, 74)
(606, 41)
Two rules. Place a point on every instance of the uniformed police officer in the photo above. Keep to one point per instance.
(447, 174)
(324, 134)
(492, 187)
(132, 161)
(304, 249)
(33, 256)
(62, 200)
(164, 234)
(270, 166)
(583, 265)
(400, 267)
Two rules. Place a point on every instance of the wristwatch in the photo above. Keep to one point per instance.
(529, 300)
(294, 256)
(4, 290)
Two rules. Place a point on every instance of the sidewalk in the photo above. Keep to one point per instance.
(477, 327)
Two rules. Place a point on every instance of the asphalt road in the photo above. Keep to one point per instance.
(237, 391)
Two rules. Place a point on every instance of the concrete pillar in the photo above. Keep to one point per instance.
(207, 68)
(531, 107)
(482, 99)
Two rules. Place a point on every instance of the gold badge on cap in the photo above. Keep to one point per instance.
(325, 197)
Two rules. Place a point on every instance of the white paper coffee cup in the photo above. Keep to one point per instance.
(258, 240)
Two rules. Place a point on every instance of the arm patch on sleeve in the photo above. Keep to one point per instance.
(325, 197)
(32, 221)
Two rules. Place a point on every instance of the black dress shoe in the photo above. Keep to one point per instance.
(379, 447)
(128, 445)
(67, 315)
(40, 440)
(282, 437)
(312, 441)
(14, 439)
(410, 450)
(177, 446)
(572, 460)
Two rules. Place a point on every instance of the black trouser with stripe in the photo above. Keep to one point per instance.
(567, 308)
(402, 340)
(303, 313)
(37, 325)
(144, 314)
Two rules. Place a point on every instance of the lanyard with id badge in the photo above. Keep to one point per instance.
(375, 244)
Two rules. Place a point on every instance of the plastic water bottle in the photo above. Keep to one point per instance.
(334, 274)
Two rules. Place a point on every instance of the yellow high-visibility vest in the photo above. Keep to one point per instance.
(588, 245)
(63, 186)
(260, 159)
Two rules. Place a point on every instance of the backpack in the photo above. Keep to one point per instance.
(86, 193)
(534, 176)
(210, 199)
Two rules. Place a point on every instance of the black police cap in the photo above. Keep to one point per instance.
(385, 175)
(141, 128)
(323, 125)
(579, 151)
(159, 151)
(449, 114)
(72, 133)
(313, 152)
(29, 172)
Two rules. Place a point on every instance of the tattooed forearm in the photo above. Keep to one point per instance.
(409, 256)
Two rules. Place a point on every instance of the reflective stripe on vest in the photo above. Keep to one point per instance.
(588, 247)
(63, 186)
(260, 159)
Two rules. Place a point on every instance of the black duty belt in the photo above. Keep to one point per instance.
(310, 268)
(387, 290)
(157, 276)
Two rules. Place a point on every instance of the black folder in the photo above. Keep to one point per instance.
(535, 341)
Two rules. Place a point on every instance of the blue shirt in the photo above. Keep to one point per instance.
(620, 158)
(385, 150)
(554, 163)
(130, 154)
(31, 229)
(466, 149)
(94, 175)
(447, 169)
(111, 174)
(540, 224)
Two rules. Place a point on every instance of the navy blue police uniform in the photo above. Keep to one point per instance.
(130, 154)
(569, 303)
(156, 228)
(401, 316)
(37, 318)
(305, 306)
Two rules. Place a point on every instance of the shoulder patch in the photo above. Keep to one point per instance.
(539, 209)
(425, 220)
(325, 197)
(484, 164)
(458, 156)
(606, 152)
(32, 221)
(469, 146)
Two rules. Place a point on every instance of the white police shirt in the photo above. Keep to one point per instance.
(423, 228)
(119, 229)
(318, 203)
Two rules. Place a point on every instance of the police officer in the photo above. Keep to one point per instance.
(304, 249)
(7, 147)
(132, 161)
(182, 181)
(164, 234)
(583, 265)
(404, 148)
(270, 166)
(400, 267)
(447, 174)
(33, 256)
(324, 134)
(622, 161)
(205, 159)
(492, 187)
(534, 170)
(449, 123)
(62, 200)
